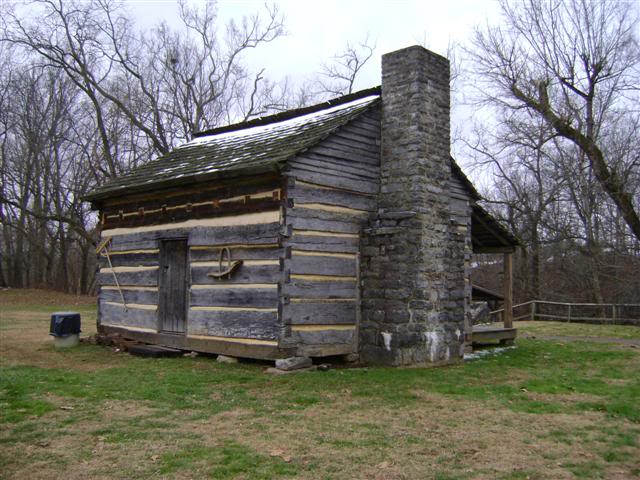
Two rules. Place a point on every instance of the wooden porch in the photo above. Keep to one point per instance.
(493, 333)
(489, 236)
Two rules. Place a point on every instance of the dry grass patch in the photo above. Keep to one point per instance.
(20, 297)
(542, 328)
(542, 410)
(466, 439)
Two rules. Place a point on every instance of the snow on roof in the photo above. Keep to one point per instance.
(270, 128)
(253, 147)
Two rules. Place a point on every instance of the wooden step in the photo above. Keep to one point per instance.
(155, 351)
(489, 334)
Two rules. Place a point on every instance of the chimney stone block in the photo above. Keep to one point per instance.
(413, 275)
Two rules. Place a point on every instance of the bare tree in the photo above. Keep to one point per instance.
(574, 64)
(338, 76)
(6, 74)
(39, 197)
(85, 95)
(193, 77)
(201, 71)
(525, 187)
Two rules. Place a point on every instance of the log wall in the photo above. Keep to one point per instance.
(242, 309)
(460, 204)
(330, 197)
(298, 237)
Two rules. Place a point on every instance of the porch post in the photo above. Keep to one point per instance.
(508, 291)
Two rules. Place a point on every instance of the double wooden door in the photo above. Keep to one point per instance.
(173, 286)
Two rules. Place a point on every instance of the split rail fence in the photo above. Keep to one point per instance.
(600, 313)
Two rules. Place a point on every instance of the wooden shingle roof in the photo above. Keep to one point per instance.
(253, 147)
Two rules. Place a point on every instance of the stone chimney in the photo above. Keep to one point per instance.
(413, 256)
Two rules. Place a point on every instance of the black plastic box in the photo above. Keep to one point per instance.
(64, 324)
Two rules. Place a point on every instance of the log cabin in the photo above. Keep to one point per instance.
(341, 228)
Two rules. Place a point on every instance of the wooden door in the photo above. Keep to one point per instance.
(172, 286)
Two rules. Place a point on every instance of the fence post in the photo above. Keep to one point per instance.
(533, 310)
(615, 313)
(569, 318)
(508, 290)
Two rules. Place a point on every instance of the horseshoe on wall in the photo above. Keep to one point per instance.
(232, 265)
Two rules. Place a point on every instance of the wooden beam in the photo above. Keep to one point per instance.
(482, 249)
(257, 218)
(508, 290)
(491, 230)
(219, 188)
(481, 335)
(227, 346)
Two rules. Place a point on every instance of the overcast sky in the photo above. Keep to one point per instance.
(317, 29)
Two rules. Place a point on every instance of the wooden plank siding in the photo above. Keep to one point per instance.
(134, 315)
(243, 308)
(138, 295)
(255, 296)
(318, 242)
(331, 196)
(458, 190)
(221, 189)
(130, 258)
(298, 238)
(460, 201)
(319, 312)
(164, 215)
(260, 324)
(134, 276)
(238, 347)
(207, 201)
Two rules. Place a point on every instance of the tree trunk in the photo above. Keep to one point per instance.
(84, 268)
(535, 262)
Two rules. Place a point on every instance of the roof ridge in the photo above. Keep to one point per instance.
(289, 114)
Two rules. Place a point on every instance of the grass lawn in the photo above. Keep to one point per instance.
(626, 332)
(561, 410)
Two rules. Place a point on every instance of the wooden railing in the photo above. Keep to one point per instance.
(613, 313)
